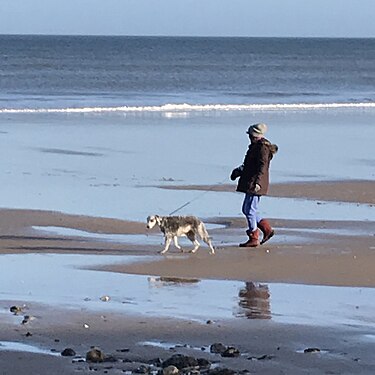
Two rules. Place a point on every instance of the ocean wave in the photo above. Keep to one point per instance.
(176, 108)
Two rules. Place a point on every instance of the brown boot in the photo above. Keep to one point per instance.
(253, 239)
(265, 227)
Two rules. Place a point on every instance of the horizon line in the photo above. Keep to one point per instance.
(187, 36)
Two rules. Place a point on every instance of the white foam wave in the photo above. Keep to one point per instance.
(176, 108)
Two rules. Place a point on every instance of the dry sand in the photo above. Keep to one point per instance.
(337, 253)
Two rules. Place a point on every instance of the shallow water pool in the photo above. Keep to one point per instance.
(63, 280)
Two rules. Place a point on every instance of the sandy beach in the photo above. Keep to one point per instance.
(78, 261)
(315, 252)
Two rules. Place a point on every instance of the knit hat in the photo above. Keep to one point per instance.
(257, 130)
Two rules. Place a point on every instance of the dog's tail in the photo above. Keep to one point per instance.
(205, 237)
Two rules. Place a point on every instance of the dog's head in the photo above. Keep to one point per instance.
(152, 221)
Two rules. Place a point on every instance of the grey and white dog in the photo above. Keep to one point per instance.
(177, 226)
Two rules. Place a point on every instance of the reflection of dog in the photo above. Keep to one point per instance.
(177, 226)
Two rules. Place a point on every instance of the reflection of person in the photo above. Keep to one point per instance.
(254, 181)
(254, 300)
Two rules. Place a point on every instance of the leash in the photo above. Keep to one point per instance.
(198, 196)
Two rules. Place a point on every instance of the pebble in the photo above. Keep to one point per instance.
(142, 369)
(218, 347)
(170, 370)
(231, 352)
(95, 355)
(312, 350)
(15, 309)
(27, 319)
(68, 352)
(180, 361)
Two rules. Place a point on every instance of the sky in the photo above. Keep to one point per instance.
(257, 18)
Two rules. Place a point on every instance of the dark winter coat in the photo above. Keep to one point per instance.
(255, 169)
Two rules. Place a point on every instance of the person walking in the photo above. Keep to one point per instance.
(254, 181)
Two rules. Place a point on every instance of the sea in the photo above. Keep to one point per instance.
(63, 72)
(95, 125)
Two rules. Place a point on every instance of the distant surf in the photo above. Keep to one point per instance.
(193, 107)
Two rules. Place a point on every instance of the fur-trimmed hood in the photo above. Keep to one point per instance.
(273, 148)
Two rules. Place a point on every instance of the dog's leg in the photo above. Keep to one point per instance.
(191, 236)
(196, 246)
(175, 239)
(168, 241)
(205, 237)
(209, 243)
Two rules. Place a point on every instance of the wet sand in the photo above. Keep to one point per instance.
(265, 347)
(306, 252)
(360, 191)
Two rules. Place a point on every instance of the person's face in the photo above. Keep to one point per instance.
(252, 138)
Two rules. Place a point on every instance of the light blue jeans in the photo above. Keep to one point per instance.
(250, 210)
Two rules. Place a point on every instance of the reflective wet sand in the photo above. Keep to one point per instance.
(65, 280)
(75, 249)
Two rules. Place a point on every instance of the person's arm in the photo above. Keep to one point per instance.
(237, 172)
(262, 165)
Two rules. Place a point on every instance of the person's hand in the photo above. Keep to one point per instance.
(257, 188)
(235, 174)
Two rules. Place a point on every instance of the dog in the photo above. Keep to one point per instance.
(177, 226)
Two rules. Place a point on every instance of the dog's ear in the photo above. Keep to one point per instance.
(158, 219)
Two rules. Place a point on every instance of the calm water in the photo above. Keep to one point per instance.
(62, 280)
(65, 71)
